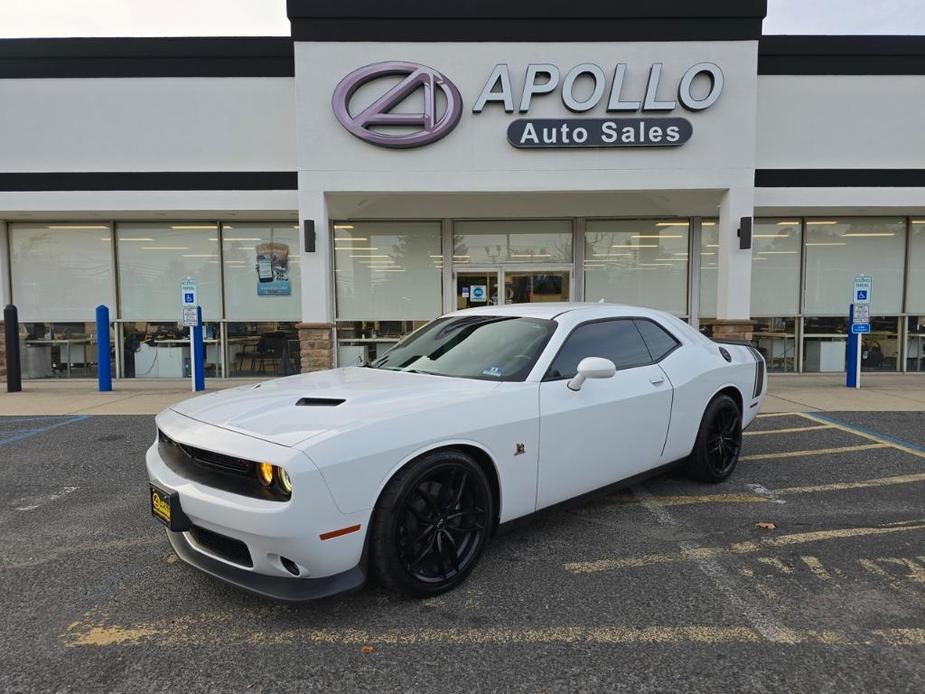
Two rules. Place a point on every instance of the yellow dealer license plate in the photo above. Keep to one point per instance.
(160, 505)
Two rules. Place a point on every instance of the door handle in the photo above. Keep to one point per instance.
(657, 380)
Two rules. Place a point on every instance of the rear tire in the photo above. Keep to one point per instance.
(431, 524)
(719, 441)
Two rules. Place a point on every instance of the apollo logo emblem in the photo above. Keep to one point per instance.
(373, 122)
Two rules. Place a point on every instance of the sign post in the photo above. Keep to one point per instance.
(189, 300)
(859, 319)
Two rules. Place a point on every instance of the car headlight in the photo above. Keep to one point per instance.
(284, 482)
(271, 475)
(265, 473)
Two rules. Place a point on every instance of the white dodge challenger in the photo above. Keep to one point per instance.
(301, 487)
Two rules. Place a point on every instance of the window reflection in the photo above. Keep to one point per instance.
(915, 348)
(262, 349)
(491, 242)
(639, 262)
(58, 350)
(161, 349)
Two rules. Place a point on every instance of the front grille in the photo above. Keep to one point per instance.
(225, 472)
(222, 546)
(208, 459)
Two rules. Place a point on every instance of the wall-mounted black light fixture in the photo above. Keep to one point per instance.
(308, 232)
(745, 233)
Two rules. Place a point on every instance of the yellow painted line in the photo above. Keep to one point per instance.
(746, 547)
(864, 434)
(817, 568)
(816, 451)
(861, 484)
(901, 637)
(167, 634)
(776, 563)
(692, 499)
(788, 430)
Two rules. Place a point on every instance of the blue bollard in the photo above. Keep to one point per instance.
(851, 353)
(199, 373)
(103, 358)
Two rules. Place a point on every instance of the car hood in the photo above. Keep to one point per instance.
(288, 411)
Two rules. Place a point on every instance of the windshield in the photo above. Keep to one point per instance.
(491, 348)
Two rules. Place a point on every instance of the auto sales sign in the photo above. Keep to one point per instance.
(633, 120)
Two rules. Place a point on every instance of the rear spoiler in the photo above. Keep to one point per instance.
(731, 341)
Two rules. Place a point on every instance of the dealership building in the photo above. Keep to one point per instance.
(331, 191)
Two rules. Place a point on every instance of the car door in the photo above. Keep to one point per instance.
(612, 428)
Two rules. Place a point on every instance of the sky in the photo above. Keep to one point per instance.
(27, 18)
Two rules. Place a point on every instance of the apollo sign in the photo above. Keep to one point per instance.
(583, 88)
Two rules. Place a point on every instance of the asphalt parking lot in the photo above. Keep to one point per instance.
(804, 572)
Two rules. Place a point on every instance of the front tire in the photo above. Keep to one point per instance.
(719, 441)
(431, 524)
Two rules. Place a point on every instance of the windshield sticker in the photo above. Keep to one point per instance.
(495, 371)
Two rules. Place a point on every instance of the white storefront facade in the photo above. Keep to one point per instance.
(333, 191)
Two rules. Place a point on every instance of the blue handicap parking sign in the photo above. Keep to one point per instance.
(188, 298)
(862, 294)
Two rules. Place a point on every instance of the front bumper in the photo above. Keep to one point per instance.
(274, 587)
(273, 532)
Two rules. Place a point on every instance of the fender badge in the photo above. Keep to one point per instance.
(519, 449)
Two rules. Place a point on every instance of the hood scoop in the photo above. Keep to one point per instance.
(319, 402)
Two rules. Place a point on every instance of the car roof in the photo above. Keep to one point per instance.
(550, 310)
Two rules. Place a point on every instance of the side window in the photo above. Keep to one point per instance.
(617, 340)
(658, 340)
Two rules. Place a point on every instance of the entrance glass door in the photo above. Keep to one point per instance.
(475, 288)
(535, 286)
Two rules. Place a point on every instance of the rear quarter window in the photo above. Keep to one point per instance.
(659, 341)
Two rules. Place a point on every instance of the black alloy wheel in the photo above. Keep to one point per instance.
(719, 441)
(431, 524)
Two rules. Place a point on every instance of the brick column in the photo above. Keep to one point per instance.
(316, 342)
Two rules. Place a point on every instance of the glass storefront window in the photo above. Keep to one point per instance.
(388, 270)
(826, 340)
(517, 241)
(360, 342)
(641, 262)
(59, 350)
(61, 271)
(776, 245)
(880, 347)
(915, 347)
(161, 349)
(263, 349)
(837, 249)
(262, 271)
(709, 265)
(915, 278)
(155, 257)
(535, 287)
(776, 339)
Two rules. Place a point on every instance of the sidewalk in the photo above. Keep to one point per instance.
(786, 393)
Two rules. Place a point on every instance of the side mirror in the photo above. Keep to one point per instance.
(592, 367)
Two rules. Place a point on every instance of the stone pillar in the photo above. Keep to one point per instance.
(733, 330)
(316, 341)
(734, 281)
(316, 331)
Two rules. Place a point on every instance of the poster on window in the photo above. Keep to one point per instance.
(273, 269)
